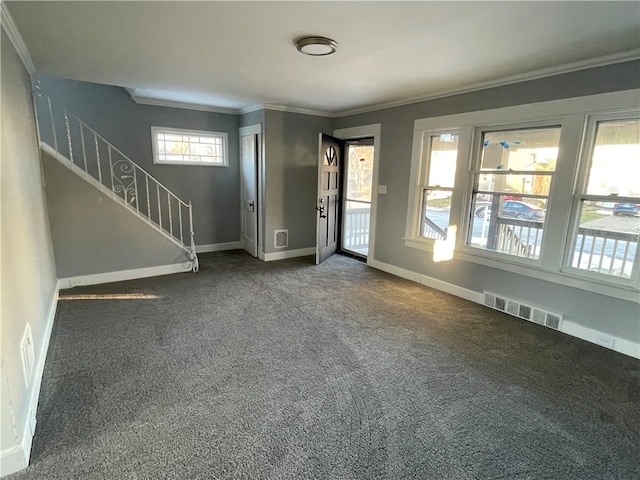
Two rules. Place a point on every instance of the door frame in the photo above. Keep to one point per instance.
(244, 131)
(355, 133)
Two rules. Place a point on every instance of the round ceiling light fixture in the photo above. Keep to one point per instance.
(316, 46)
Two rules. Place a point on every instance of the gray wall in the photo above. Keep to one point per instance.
(603, 313)
(28, 267)
(214, 191)
(291, 158)
(92, 233)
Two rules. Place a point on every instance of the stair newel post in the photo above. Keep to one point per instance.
(170, 219)
(146, 179)
(159, 208)
(66, 122)
(180, 217)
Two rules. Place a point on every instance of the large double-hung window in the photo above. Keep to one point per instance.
(550, 190)
(604, 239)
(511, 185)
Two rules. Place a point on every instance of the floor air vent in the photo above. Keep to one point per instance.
(522, 310)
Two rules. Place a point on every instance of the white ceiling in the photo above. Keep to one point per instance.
(236, 55)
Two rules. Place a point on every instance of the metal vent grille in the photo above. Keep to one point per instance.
(522, 310)
(281, 238)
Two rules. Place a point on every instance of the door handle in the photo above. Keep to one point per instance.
(321, 210)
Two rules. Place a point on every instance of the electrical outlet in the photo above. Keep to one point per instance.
(28, 355)
(605, 340)
(74, 282)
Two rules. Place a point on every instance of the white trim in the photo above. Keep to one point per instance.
(219, 247)
(302, 111)
(522, 77)
(301, 252)
(16, 39)
(471, 295)
(251, 108)
(16, 457)
(255, 129)
(620, 345)
(159, 102)
(108, 277)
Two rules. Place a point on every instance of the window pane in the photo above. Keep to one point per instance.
(436, 205)
(443, 155)
(176, 147)
(533, 149)
(512, 227)
(615, 163)
(607, 238)
(515, 184)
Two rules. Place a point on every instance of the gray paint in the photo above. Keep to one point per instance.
(28, 267)
(616, 317)
(252, 118)
(291, 143)
(214, 191)
(93, 234)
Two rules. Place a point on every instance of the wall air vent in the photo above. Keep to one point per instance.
(522, 310)
(281, 238)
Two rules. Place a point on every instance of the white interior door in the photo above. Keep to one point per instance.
(249, 167)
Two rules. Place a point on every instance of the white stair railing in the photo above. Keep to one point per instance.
(98, 161)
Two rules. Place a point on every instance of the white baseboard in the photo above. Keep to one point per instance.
(574, 329)
(620, 345)
(434, 283)
(218, 247)
(16, 457)
(301, 252)
(98, 278)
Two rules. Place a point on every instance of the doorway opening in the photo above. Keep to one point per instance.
(356, 199)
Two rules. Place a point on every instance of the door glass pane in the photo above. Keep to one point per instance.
(357, 205)
(360, 172)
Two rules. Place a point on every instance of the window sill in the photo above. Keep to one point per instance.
(623, 292)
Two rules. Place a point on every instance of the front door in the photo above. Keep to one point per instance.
(249, 154)
(328, 206)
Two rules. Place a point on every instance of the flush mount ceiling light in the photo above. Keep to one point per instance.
(316, 46)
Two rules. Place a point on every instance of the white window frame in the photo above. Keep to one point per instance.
(580, 194)
(181, 131)
(420, 182)
(571, 115)
(475, 169)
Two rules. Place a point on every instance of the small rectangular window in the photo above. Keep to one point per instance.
(189, 147)
(441, 155)
(511, 190)
(605, 239)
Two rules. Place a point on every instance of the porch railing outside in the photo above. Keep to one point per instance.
(98, 161)
(356, 228)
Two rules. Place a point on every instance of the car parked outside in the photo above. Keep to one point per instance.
(513, 209)
(626, 208)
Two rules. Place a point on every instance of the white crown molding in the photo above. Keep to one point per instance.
(522, 77)
(16, 39)
(158, 102)
(303, 111)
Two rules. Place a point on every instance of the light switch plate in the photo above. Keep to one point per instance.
(382, 189)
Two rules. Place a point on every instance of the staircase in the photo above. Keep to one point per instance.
(72, 142)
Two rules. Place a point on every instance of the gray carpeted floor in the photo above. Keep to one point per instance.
(287, 370)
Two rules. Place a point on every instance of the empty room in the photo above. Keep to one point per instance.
(320, 240)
